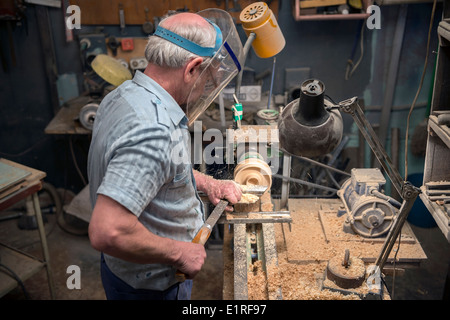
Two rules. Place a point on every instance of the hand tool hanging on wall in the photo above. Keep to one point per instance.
(147, 27)
(236, 7)
(122, 19)
(113, 44)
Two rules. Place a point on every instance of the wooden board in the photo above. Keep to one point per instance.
(308, 241)
(28, 186)
(11, 176)
(106, 12)
(320, 3)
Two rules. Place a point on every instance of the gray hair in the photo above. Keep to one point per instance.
(166, 54)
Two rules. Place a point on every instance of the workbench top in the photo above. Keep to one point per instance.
(66, 120)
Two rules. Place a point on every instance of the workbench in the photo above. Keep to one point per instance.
(65, 121)
(17, 183)
(295, 255)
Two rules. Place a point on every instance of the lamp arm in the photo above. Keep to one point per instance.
(352, 107)
(405, 189)
(246, 49)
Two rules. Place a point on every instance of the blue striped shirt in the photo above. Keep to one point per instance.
(140, 157)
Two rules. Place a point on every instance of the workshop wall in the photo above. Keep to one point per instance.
(322, 46)
(26, 100)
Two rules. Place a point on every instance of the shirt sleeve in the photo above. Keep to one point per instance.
(137, 166)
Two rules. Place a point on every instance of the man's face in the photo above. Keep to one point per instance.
(207, 87)
(205, 84)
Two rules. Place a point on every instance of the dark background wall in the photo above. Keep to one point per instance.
(323, 46)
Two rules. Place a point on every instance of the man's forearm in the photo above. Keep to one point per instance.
(202, 181)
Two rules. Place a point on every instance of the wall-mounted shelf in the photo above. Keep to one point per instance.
(302, 10)
(441, 129)
(436, 180)
(106, 12)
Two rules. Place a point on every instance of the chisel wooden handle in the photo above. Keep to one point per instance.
(205, 231)
(203, 234)
(201, 237)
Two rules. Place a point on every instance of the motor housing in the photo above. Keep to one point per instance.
(367, 214)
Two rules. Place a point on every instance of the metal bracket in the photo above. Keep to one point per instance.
(257, 217)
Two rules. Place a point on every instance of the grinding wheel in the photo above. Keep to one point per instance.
(87, 115)
(347, 272)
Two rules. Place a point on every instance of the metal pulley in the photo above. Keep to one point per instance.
(87, 115)
(348, 272)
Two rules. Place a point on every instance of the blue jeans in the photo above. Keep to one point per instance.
(117, 289)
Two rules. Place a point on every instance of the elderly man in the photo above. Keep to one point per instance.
(146, 209)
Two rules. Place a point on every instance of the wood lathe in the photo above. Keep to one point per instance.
(280, 248)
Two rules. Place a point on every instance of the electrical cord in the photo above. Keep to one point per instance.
(351, 67)
(24, 152)
(76, 163)
(420, 87)
(407, 130)
(58, 207)
(12, 274)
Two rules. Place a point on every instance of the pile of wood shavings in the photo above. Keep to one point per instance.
(298, 282)
(304, 251)
(257, 282)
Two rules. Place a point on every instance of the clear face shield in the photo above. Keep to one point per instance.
(221, 68)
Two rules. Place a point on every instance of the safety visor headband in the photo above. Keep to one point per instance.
(195, 48)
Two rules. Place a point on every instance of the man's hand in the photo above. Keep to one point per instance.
(218, 189)
(224, 189)
(192, 258)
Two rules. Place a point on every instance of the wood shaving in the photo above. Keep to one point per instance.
(248, 198)
(246, 187)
